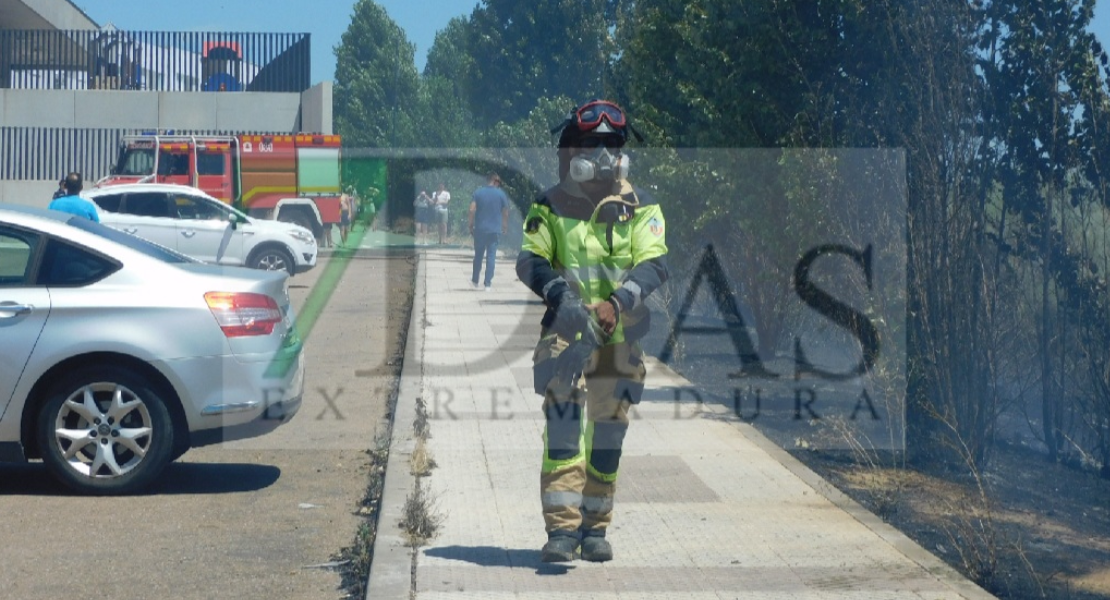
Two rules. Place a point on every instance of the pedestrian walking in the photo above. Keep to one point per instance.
(594, 249)
(487, 222)
(72, 202)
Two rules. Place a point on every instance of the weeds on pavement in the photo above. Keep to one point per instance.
(422, 518)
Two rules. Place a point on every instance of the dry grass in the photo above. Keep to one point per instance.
(1040, 532)
(422, 518)
(963, 517)
(421, 427)
(421, 462)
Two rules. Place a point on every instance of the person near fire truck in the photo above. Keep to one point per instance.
(72, 202)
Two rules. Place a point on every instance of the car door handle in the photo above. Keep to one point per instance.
(188, 234)
(131, 230)
(9, 310)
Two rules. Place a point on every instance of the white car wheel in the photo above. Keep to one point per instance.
(273, 259)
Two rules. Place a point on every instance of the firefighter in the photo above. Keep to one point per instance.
(594, 248)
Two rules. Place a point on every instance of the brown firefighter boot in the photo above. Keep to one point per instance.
(561, 546)
(595, 548)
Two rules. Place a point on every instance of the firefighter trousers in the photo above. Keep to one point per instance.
(581, 456)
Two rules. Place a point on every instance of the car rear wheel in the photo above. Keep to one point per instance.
(273, 259)
(104, 430)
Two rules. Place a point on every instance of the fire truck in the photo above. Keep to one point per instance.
(288, 177)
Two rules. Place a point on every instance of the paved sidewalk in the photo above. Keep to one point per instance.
(707, 508)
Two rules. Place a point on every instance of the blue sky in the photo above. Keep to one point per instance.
(326, 20)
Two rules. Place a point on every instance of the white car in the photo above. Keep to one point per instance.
(119, 354)
(195, 224)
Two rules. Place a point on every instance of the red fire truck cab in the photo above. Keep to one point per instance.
(289, 177)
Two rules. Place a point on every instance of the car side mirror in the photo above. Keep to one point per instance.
(233, 220)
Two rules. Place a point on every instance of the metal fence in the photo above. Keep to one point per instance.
(154, 60)
(48, 153)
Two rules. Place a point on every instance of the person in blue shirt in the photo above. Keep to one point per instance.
(72, 202)
(489, 220)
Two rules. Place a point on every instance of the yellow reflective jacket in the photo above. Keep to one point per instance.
(615, 248)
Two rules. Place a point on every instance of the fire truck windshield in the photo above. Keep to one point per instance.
(135, 161)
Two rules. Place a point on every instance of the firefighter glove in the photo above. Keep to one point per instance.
(571, 316)
(572, 362)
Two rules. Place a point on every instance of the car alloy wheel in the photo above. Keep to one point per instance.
(272, 259)
(105, 431)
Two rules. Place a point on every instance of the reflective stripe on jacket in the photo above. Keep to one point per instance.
(594, 253)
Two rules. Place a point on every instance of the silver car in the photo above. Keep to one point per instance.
(118, 354)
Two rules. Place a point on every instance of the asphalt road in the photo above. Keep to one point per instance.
(256, 519)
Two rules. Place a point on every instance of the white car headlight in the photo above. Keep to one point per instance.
(302, 235)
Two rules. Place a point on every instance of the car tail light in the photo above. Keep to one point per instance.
(242, 314)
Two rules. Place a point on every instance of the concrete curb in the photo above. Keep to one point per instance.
(391, 571)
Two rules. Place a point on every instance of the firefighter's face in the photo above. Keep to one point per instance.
(589, 143)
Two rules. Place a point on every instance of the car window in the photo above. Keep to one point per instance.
(16, 251)
(147, 204)
(133, 242)
(109, 202)
(64, 264)
(192, 207)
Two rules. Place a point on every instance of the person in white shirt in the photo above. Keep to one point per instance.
(440, 200)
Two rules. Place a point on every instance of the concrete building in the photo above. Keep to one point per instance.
(45, 133)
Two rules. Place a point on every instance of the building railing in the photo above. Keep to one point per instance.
(176, 61)
(48, 153)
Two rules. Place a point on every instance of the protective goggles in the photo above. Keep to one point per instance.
(589, 115)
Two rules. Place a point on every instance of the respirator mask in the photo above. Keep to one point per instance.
(601, 164)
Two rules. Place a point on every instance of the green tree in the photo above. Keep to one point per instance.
(713, 73)
(376, 85)
(528, 145)
(509, 54)
(952, 399)
(839, 73)
(450, 57)
(445, 119)
(699, 73)
(441, 120)
(1046, 112)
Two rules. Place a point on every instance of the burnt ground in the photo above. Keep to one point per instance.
(1023, 527)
